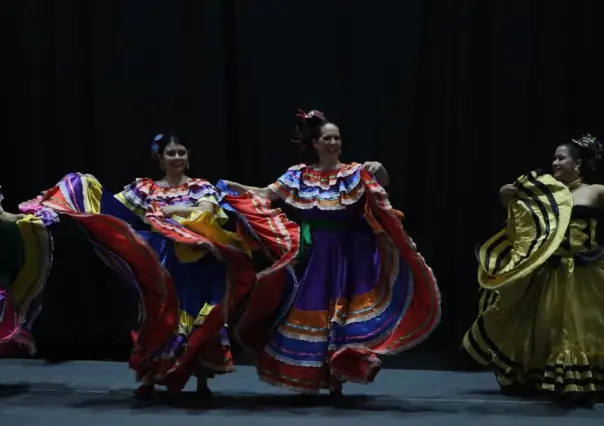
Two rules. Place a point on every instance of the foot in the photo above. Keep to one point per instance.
(144, 391)
(336, 391)
(575, 399)
(203, 390)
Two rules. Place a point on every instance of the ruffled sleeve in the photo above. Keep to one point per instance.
(305, 188)
(136, 196)
(201, 190)
(537, 223)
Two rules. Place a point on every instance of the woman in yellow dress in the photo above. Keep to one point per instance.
(541, 320)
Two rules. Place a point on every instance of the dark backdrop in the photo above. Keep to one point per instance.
(455, 97)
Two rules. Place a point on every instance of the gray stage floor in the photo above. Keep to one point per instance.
(99, 393)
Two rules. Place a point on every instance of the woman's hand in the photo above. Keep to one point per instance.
(378, 170)
(204, 206)
(373, 167)
(237, 187)
(508, 191)
(10, 217)
(507, 194)
(170, 211)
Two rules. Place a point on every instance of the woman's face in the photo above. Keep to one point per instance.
(174, 159)
(565, 167)
(329, 143)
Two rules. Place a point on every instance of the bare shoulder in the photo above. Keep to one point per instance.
(597, 188)
(597, 194)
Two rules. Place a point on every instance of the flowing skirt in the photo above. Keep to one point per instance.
(201, 286)
(25, 261)
(354, 290)
(545, 332)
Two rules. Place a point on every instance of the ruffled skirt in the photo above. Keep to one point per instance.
(546, 331)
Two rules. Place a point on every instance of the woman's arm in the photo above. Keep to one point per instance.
(203, 206)
(265, 192)
(382, 177)
(10, 217)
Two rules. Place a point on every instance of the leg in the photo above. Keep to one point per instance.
(145, 390)
(335, 386)
(202, 383)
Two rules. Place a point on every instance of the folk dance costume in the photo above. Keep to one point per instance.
(25, 261)
(541, 321)
(191, 273)
(362, 288)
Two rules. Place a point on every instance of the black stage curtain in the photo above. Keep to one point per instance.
(455, 97)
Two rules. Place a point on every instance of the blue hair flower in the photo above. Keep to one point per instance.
(155, 145)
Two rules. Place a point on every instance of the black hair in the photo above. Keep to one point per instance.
(587, 149)
(309, 127)
(161, 141)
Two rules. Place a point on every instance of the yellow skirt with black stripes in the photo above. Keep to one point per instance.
(545, 332)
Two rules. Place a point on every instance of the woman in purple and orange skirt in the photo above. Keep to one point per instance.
(362, 289)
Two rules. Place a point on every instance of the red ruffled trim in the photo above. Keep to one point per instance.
(158, 292)
(241, 280)
(9, 323)
(281, 237)
(347, 365)
(424, 313)
(14, 340)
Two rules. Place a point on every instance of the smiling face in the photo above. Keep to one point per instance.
(565, 167)
(329, 142)
(174, 159)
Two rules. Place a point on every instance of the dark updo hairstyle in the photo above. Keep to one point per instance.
(161, 141)
(308, 127)
(587, 149)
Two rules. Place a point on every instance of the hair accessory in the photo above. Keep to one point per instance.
(591, 143)
(310, 114)
(302, 131)
(593, 150)
(155, 145)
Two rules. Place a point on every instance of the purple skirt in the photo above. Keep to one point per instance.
(345, 302)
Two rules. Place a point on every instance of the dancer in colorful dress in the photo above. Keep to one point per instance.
(541, 322)
(122, 249)
(180, 220)
(25, 260)
(203, 278)
(363, 288)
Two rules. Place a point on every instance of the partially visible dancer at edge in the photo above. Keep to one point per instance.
(179, 220)
(541, 322)
(25, 260)
(363, 290)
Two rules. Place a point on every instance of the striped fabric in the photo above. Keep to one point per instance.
(122, 249)
(536, 226)
(403, 306)
(20, 299)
